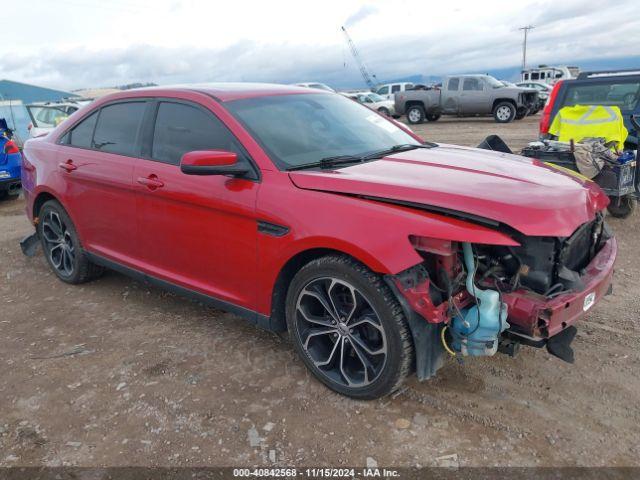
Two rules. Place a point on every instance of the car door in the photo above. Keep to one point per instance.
(394, 89)
(473, 97)
(96, 159)
(197, 232)
(384, 92)
(451, 96)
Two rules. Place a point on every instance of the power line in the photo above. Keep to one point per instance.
(526, 29)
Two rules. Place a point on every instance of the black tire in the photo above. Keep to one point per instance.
(65, 256)
(5, 195)
(500, 114)
(432, 117)
(373, 308)
(384, 111)
(621, 207)
(521, 114)
(415, 114)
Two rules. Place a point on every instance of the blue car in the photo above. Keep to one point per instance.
(10, 160)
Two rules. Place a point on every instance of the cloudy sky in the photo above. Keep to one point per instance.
(91, 43)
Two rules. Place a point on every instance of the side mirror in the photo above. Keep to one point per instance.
(211, 162)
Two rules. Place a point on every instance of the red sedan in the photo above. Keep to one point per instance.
(304, 211)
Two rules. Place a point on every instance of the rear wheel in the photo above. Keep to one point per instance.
(61, 246)
(622, 207)
(348, 328)
(384, 111)
(432, 117)
(415, 114)
(504, 112)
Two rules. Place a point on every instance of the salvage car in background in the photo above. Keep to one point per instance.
(374, 102)
(619, 88)
(302, 211)
(467, 95)
(17, 118)
(46, 116)
(10, 160)
(316, 85)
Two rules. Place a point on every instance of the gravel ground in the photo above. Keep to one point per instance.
(116, 373)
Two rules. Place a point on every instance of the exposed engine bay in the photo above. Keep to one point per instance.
(491, 296)
(548, 266)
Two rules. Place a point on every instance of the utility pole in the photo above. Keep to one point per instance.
(524, 44)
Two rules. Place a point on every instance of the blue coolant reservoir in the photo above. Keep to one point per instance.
(476, 331)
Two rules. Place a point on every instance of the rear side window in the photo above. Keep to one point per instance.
(471, 84)
(82, 134)
(453, 85)
(182, 128)
(395, 88)
(535, 76)
(117, 128)
(621, 94)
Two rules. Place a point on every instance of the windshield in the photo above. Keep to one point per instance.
(493, 82)
(305, 128)
(375, 97)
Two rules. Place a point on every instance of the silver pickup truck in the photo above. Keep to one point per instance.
(467, 95)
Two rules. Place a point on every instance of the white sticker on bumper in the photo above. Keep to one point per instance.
(589, 300)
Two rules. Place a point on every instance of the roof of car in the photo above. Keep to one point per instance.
(225, 92)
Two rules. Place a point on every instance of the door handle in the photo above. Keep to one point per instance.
(151, 182)
(69, 166)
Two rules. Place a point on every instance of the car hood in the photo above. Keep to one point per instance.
(525, 194)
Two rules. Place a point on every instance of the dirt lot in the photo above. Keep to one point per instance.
(117, 373)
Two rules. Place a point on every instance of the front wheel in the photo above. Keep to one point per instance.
(521, 113)
(61, 246)
(384, 111)
(348, 328)
(621, 207)
(504, 112)
(415, 114)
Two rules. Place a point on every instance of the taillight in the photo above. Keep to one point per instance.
(545, 120)
(11, 147)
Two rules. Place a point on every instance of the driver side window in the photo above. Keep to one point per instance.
(181, 128)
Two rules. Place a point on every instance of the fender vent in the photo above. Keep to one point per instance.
(272, 229)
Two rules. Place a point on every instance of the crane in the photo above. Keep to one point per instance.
(366, 76)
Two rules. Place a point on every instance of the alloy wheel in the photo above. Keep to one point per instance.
(414, 115)
(340, 332)
(503, 113)
(58, 244)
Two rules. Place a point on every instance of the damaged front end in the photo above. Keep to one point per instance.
(475, 299)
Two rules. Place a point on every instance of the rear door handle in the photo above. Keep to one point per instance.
(69, 166)
(151, 182)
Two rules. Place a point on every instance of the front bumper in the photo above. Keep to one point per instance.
(537, 318)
